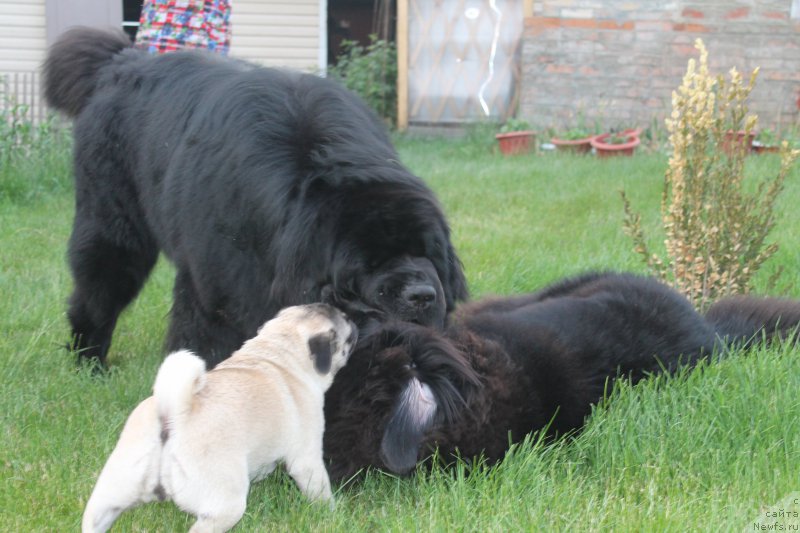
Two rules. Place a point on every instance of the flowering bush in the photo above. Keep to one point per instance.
(715, 233)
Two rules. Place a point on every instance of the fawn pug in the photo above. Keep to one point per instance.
(204, 436)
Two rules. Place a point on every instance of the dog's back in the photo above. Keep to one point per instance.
(572, 339)
(610, 319)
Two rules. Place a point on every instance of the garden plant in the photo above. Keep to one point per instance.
(716, 232)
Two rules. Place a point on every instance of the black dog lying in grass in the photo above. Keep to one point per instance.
(509, 366)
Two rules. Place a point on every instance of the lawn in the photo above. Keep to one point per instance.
(717, 448)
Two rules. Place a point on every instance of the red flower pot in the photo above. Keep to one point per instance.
(631, 132)
(603, 149)
(578, 146)
(516, 142)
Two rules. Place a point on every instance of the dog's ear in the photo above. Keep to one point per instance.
(321, 348)
(455, 283)
(411, 418)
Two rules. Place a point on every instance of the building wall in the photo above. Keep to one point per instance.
(27, 27)
(278, 32)
(23, 43)
(287, 33)
(22, 35)
(617, 61)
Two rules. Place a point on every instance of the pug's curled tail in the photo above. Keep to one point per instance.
(74, 63)
(181, 376)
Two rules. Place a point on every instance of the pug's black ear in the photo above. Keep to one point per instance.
(321, 348)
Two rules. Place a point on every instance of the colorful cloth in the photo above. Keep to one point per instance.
(168, 25)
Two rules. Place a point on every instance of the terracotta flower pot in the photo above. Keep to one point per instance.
(738, 140)
(631, 132)
(516, 142)
(603, 149)
(578, 146)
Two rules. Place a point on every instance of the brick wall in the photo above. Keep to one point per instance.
(617, 61)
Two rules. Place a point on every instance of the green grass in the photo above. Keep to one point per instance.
(707, 450)
(34, 161)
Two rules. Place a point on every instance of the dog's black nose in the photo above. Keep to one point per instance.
(422, 296)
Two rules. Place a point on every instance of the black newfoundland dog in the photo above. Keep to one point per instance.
(265, 188)
(509, 366)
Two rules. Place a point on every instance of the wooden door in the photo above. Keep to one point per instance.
(461, 60)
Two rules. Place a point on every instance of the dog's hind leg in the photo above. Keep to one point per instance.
(110, 261)
(130, 476)
(227, 514)
(202, 327)
(216, 495)
(311, 477)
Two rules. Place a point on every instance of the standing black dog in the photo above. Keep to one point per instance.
(265, 188)
(509, 366)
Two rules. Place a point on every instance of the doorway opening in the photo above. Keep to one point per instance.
(131, 10)
(356, 20)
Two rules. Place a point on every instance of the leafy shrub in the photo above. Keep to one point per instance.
(371, 72)
(34, 158)
(515, 124)
(715, 232)
(767, 137)
(16, 131)
(573, 134)
(617, 138)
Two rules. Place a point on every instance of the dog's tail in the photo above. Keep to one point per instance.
(746, 320)
(181, 376)
(73, 65)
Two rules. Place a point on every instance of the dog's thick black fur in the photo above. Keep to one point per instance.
(265, 188)
(508, 366)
